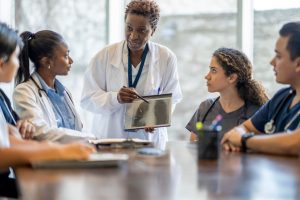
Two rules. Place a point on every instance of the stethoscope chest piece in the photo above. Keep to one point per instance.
(270, 127)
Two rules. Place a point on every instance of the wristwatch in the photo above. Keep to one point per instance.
(244, 139)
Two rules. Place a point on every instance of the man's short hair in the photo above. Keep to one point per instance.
(292, 30)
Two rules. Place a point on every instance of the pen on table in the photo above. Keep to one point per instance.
(145, 100)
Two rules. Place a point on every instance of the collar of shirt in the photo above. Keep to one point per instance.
(60, 89)
(125, 60)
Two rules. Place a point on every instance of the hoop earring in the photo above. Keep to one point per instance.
(49, 66)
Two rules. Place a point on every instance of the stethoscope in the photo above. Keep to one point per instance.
(40, 90)
(270, 126)
(244, 116)
(38, 87)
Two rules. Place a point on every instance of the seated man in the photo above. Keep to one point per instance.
(282, 112)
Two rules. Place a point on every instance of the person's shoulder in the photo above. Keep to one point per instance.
(252, 108)
(282, 92)
(24, 89)
(26, 84)
(109, 49)
(158, 46)
(207, 103)
(163, 50)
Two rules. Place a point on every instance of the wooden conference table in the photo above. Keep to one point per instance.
(176, 176)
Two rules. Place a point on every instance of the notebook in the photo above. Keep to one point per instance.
(95, 160)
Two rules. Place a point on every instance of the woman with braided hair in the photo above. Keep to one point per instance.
(120, 71)
(230, 74)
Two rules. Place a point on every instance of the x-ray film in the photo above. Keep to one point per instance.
(157, 113)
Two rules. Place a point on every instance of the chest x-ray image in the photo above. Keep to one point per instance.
(157, 113)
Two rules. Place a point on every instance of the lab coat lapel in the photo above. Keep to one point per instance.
(69, 99)
(46, 103)
(154, 75)
(116, 60)
(116, 73)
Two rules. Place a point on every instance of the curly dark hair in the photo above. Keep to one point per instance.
(236, 62)
(146, 8)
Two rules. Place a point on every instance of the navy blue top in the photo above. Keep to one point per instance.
(286, 119)
(10, 115)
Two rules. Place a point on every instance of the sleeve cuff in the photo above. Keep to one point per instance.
(114, 99)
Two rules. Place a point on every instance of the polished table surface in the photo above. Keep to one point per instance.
(178, 175)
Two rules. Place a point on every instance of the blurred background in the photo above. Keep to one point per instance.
(192, 29)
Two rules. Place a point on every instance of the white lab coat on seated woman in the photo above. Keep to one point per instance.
(107, 73)
(32, 103)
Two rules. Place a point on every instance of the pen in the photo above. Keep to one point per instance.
(215, 125)
(145, 100)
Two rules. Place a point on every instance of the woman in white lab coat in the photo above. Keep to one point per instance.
(40, 97)
(142, 66)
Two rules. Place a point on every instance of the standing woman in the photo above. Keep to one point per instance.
(137, 63)
(230, 74)
(40, 97)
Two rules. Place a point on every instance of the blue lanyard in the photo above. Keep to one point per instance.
(130, 84)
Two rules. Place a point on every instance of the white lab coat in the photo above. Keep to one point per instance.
(106, 75)
(33, 104)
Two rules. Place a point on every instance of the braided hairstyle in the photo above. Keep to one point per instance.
(36, 46)
(236, 62)
(146, 8)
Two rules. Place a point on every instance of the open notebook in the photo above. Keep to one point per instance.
(95, 160)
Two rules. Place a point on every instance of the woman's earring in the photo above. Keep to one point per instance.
(49, 66)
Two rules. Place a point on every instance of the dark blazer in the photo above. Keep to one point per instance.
(9, 114)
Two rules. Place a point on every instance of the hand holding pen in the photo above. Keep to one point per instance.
(127, 95)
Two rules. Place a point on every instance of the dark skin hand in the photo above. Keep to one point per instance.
(127, 95)
(25, 128)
